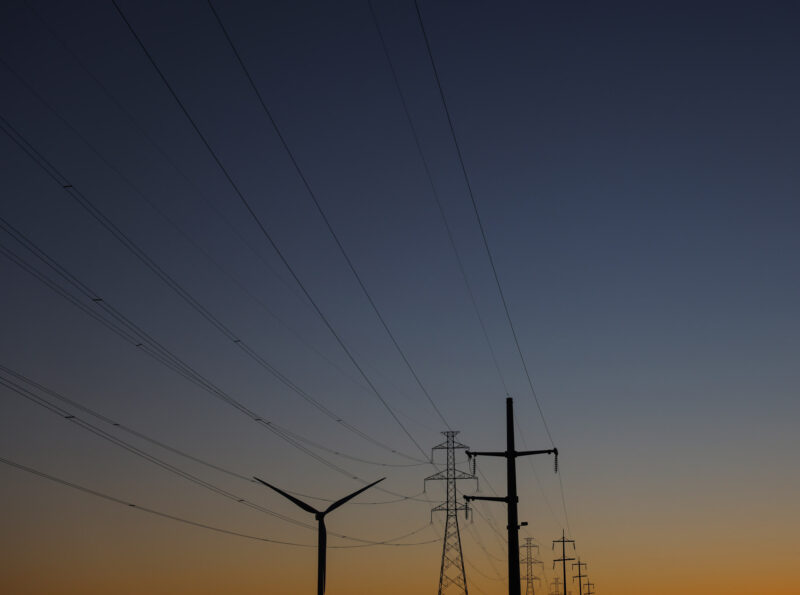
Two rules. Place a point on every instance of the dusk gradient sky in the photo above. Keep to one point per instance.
(635, 166)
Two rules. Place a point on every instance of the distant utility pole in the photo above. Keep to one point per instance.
(563, 559)
(452, 578)
(529, 561)
(589, 588)
(554, 586)
(579, 576)
(511, 499)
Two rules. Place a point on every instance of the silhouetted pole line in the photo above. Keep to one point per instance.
(452, 566)
(563, 559)
(511, 499)
(322, 534)
(589, 588)
(266, 233)
(579, 576)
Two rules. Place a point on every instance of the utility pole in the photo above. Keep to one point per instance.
(511, 499)
(529, 560)
(563, 559)
(579, 576)
(554, 586)
(589, 588)
(452, 578)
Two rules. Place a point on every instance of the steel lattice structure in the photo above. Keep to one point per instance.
(452, 578)
(530, 561)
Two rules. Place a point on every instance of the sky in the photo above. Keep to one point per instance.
(634, 169)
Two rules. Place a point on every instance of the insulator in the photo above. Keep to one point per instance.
(555, 463)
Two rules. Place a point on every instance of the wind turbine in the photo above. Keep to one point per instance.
(322, 535)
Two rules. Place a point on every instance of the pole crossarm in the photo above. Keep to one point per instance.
(561, 560)
(490, 498)
(456, 474)
(525, 453)
(515, 453)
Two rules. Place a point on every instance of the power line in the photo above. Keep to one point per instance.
(133, 432)
(129, 332)
(200, 525)
(324, 215)
(264, 231)
(89, 427)
(198, 191)
(175, 286)
(67, 415)
(165, 277)
(539, 481)
(435, 193)
(486, 242)
(490, 558)
(479, 220)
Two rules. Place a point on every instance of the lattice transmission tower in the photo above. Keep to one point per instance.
(530, 560)
(452, 579)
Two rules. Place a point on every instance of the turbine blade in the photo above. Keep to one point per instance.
(299, 503)
(338, 503)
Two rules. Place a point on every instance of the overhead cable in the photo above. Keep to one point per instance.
(32, 471)
(324, 215)
(480, 221)
(265, 233)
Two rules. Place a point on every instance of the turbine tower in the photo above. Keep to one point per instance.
(322, 534)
